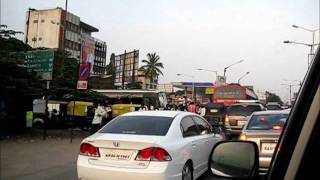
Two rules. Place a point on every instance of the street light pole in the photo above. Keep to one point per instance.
(243, 76)
(179, 74)
(290, 85)
(313, 31)
(225, 69)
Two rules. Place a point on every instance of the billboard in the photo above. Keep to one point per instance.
(126, 68)
(87, 50)
(40, 61)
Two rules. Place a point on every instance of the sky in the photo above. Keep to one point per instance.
(192, 34)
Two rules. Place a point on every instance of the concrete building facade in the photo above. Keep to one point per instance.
(46, 28)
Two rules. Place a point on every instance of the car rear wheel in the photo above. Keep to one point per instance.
(187, 172)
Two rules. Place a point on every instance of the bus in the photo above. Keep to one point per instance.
(233, 93)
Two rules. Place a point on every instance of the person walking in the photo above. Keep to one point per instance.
(99, 113)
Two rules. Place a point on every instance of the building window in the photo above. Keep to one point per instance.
(40, 38)
(35, 21)
(42, 20)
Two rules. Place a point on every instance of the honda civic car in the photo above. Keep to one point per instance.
(157, 145)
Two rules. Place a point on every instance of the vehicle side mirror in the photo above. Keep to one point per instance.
(235, 160)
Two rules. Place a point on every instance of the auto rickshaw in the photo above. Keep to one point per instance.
(118, 109)
(215, 114)
(79, 112)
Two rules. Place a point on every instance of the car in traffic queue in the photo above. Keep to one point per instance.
(264, 128)
(273, 106)
(237, 116)
(298, 148)
(158, 145)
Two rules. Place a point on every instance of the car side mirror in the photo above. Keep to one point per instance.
(235, 160)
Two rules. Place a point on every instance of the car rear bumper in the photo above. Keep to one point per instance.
(155, 171)
(264, 162)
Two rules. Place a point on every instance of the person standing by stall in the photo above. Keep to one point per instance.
(99, 113)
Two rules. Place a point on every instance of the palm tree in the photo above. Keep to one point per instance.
(152, 67)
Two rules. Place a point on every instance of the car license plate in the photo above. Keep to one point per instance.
(268, 148)
(118, 155)
(241, 123)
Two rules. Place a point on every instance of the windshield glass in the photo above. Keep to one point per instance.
(267, 121)
(140, 125)
(243, 110)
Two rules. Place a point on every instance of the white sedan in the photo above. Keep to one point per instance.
(156, 145)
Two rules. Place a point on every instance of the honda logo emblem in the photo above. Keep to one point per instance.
(116, 144)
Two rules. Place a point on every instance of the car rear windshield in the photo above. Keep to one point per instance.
(139, 125)
(243, 110)
(267, 121)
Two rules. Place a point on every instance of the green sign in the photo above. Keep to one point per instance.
(29, 118)
(40, 61)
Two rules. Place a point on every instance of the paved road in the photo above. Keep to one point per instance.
(32, 158)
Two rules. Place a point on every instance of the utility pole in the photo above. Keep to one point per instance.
(65, 25)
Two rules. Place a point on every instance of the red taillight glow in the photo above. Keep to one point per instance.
(153, 154)
(87, 149)
(145, 154)
(276, 127)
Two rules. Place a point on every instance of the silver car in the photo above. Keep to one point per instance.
(264, 128)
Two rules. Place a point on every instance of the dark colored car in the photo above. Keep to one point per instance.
(237, 117)
(273, 106)
(215, 114)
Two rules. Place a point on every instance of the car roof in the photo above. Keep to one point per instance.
(156, 113)
(269, 112)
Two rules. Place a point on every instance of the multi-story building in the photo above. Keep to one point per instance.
(99, 66)
(145, 81)
(54, 28)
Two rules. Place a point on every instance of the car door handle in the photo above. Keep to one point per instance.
(207, 141)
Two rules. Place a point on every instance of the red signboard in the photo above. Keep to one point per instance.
(82, 85)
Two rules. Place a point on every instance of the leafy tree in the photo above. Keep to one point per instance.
(272, 97)
(152, 67)
(65, 70)
(110, 66)
(18, 87)
(14, 77)
(65, 77)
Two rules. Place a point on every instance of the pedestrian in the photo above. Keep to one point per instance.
(97, 120)
(192, 107)
(202, 110)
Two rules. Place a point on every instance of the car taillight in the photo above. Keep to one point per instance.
(87, 149)
(153, 154)
(243, 137)
(276, 127)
